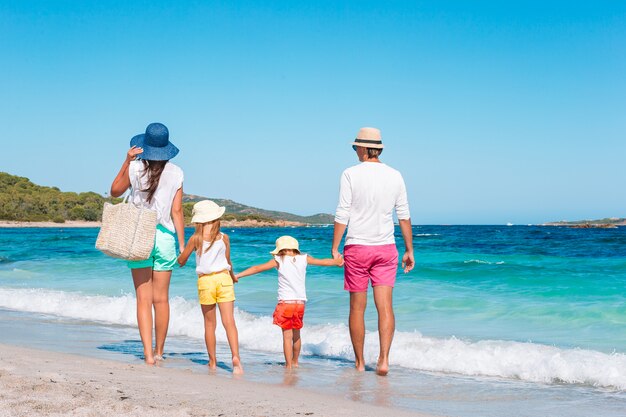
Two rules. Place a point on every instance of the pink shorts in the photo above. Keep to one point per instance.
(364, 263)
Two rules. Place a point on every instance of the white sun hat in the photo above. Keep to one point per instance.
(285, 242)
(206, 211)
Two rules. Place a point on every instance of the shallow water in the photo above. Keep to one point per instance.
(492, 317)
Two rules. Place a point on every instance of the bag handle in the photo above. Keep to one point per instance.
(131, 191)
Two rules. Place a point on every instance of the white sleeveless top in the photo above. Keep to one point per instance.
(291, 277)
(214, 260)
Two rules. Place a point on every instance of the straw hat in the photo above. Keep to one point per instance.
(368, 137)
(206, 211)
(285, 242)
(155, 143)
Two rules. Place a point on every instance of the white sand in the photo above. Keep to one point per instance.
(41, 383)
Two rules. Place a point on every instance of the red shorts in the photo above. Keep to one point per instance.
(289, 315)
(362, 264)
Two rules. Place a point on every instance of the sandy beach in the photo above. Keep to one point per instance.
(36, 382)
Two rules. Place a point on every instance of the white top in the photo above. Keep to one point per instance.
(368, 195)
(214, 260)
(291, 277)
(170, 182)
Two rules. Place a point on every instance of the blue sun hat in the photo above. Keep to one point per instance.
(155, 143)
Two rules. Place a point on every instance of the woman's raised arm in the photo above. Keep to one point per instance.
(122, 180)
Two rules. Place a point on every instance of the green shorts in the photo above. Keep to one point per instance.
(163, 256)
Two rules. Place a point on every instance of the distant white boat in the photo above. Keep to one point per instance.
(509, 224)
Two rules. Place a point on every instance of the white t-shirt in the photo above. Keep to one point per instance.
(291, 277)
(214, 260)
(170, 182)
(368, 195)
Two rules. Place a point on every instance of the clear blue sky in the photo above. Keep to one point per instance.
(494, 111)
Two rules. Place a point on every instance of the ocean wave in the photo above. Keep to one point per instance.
(479, 261)
(486, 358)
(425, 234)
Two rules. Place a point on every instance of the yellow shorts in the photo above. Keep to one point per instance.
(215, 288)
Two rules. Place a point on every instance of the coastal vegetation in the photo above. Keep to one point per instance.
(23, 201)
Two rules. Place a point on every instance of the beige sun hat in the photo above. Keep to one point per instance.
(285, 242)
(368, 137)
(206, 211)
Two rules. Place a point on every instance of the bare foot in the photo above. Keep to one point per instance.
(149, 360)
(359, 366)
(237, 368)
(382, 368)
(212, 364)
(295, 364)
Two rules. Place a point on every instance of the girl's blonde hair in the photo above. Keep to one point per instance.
(283, 252)
(197, 240)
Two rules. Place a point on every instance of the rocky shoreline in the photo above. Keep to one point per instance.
(586, 225)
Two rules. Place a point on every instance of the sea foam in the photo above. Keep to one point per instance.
(486, 358)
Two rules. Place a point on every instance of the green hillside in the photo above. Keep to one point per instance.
(238, 208)
(22, 200)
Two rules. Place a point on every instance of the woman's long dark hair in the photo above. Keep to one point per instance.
(153, 169)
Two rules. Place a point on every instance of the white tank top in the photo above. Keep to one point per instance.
(214, 260)
(291, 277)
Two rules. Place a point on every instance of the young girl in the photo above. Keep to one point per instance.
(215, 277)
(289, 312)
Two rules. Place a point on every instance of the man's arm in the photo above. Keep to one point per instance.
(342, 215)
(408, 259)
(337, 235)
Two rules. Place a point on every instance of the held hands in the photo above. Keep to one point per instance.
(408, 261)
(337, 256)
(132, 153)
(181, 263)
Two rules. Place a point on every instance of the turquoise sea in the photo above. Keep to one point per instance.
(493, 320)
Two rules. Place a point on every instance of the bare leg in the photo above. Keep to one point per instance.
(358, 302)
(142, 279)
(297, 344)
(386, 325)
(288, 347)
(227, 311)
(210, 321)
(160, 299)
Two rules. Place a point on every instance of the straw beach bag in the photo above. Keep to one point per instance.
(127, 231)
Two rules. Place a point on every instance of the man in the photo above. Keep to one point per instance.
(369, 193)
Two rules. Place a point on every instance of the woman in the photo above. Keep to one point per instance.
(158, 185)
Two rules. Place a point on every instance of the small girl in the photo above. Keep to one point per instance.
(289, 312)
(215, 277)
